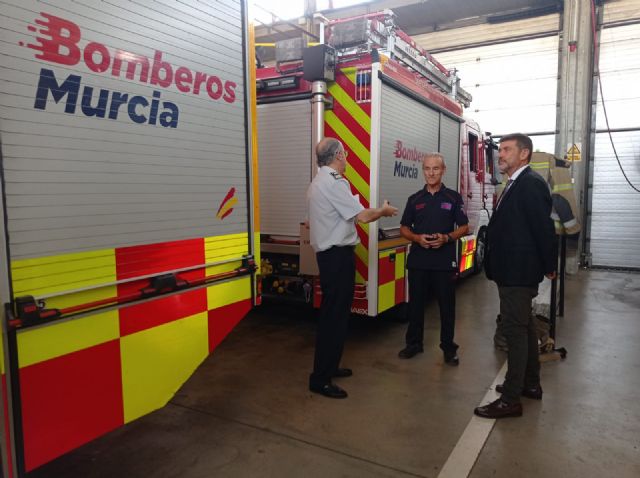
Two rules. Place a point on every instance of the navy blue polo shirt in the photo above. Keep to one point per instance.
(427, 213)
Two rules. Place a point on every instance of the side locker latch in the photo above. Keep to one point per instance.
(26, 312)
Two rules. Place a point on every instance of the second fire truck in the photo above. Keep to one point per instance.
(389, 102)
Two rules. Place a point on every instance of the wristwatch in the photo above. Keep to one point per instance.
(449, 238)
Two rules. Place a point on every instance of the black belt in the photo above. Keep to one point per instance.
(338, 247)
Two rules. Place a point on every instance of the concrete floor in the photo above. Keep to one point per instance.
(246, 411)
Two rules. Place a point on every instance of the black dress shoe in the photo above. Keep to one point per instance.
(452, 360)
(499, 409)
(534, 393)
(329, 390)
(410, 351)
(343, 372)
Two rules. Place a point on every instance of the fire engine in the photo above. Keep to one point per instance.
(127, 247)
(389, 102)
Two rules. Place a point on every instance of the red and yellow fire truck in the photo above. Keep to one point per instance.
(389, 102)
(128, 231)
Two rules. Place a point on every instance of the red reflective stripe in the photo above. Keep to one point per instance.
(364, 238)
(349, 121)
(349, 87)
(361, 267)
(355, 162)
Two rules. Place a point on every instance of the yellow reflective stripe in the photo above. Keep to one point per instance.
(563, 187)
(350, 72)
(226, 293)
(46, 275)
(400, 265)
(362, 253)
(229, 246)
(350, 105)
(38, 344)
(347, 137)
(157, 361)
(544, 165)
(386, 296)
(360, 184)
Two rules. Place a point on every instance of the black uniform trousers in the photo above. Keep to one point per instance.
(519, 329)
(337, 280)
(423, 283)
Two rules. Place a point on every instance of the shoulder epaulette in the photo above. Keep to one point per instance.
(336, 175)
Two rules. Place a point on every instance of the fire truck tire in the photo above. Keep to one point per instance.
(481, 244)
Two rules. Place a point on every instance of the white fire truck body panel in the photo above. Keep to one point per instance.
(409, 130)
(105, 172)
(285, 167)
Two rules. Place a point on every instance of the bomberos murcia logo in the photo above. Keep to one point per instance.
(58, 42)
(407, 154)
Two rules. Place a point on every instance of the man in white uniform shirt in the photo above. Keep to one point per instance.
(333, 212)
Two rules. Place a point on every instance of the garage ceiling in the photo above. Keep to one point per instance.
(416, 17)
(424, 16)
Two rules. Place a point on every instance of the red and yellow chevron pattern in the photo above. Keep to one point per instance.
(350, 122)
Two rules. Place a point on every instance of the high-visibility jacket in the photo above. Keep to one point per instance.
(557, 173)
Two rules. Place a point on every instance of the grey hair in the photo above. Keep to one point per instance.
(326, 151)
(435, 155)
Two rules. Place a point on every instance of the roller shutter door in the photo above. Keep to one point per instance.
(513, 85)
(284, 149)
(97, 155)
(615, 211)
(409, 129)
(450, 148)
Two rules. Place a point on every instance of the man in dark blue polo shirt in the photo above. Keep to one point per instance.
(433, 221)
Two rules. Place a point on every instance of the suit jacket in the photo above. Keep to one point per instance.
(521, 241)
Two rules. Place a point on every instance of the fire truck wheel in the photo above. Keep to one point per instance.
(481, 243)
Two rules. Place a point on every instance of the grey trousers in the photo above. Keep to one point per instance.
(518, 326)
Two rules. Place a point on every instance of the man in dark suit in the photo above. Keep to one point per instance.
(521, 250)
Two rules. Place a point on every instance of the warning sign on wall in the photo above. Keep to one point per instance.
(573, 153)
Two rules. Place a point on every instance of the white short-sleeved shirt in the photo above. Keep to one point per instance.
(332, 211)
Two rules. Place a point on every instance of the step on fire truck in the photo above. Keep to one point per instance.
(127, 239)
(389, 102)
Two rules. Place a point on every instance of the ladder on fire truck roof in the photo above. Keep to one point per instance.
(379, 31)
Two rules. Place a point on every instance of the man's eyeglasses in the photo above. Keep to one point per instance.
(345, 152)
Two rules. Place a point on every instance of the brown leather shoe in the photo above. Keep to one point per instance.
(499, 409)
(535, 393)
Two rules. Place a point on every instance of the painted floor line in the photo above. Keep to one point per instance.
(469, 446)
